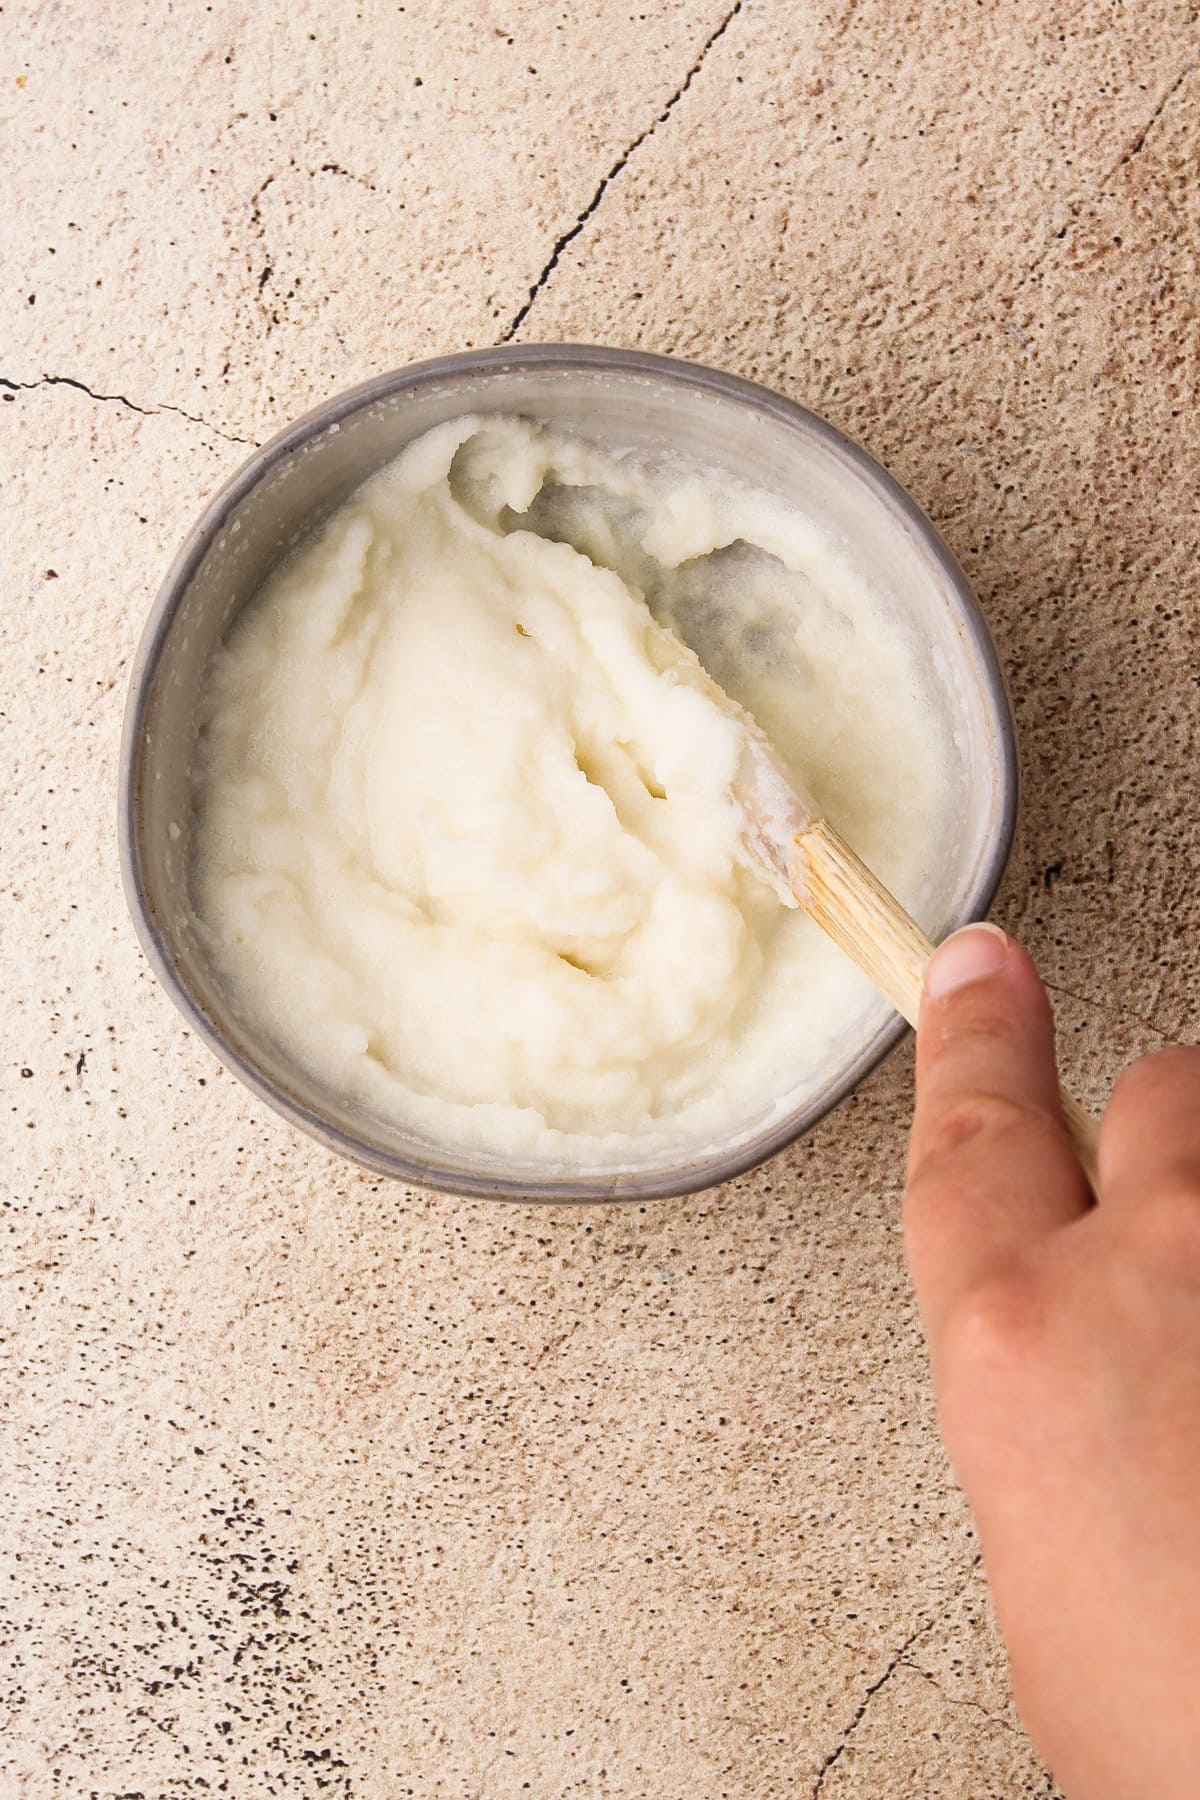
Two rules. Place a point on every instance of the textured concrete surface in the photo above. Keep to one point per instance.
(315, 1486)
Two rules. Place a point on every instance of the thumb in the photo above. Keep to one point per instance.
(991, 1169)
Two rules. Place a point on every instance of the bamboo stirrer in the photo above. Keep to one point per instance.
(808, 863)
(836, 888)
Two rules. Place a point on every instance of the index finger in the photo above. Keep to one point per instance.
(991, 1169)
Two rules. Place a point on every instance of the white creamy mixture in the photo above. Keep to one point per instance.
(470, 853)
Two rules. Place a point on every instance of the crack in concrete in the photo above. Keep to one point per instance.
(259, 253)
(147, 412)
(1127, 156)
(1138, 144)
(898, 1661)
(1165, 1032)
(606, 181)
(867, 1698)
(335, 168)
(834, 1642)
(962, 1699)
(16, 387)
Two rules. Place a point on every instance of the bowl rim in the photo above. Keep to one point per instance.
(700, 1173)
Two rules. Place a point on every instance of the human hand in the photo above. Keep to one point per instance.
(1064, 1335)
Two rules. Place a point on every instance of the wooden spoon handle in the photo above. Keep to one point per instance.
(866, 921)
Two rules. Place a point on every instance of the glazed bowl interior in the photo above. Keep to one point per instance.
(659, 410)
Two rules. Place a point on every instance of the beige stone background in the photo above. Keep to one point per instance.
(313, 1486)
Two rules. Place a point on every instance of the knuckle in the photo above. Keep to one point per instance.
(993, 1326)
(978, 1121)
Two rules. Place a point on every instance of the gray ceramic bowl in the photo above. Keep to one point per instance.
(647, 404)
